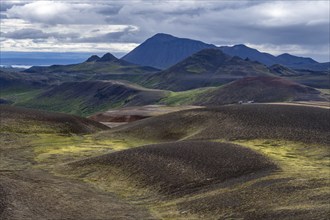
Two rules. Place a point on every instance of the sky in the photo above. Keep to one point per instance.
(118, 26)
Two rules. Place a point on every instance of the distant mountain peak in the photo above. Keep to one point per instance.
(162, 35)
(288, 59)
(108, 57)
(240, 46)
(284, 59)
(93, 58)
(162, 38)
(164, 50)
(284, 54)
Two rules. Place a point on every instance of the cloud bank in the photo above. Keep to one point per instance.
(297, 27)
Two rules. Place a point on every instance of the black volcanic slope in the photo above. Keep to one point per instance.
(254, 121)
(209, 67)
(24, 120)
(87, 97)
(259, 89)
(183, 167)
(163, 50)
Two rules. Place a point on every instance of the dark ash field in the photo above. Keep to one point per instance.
(250, 161)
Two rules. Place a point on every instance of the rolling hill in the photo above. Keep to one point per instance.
(18, 81)
(163, 50)
(280, 70)
(231, 122)
(180, 168)
(240, 161)
(31, 121)
(209, 67)
(260, 89)
(87, 97)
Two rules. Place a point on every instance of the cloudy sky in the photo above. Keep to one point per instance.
(297, 27)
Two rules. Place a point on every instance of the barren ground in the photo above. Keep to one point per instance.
(37, 182)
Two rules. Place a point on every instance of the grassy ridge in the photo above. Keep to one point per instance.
(22, 120)
(208, 67)
(87, 97)
(299, 191)
(186, 97)
(259, 89)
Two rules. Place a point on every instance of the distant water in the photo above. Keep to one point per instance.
(15, 66)
(28, 59)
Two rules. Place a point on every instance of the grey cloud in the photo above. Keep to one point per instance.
(294, 34)
(126, 35)
(27, 33)
(6, 5)
(30, 33)
(109, 9)
(63, 12)
(3, 16)
(189, 12)
(217, 22)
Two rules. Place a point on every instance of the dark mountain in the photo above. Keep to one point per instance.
(209, 67)
(321, 67)
(108, 57)
(163, 50)
(87, 97)
(106, 64)
(93, 58)
(286, 59)
(243, 52)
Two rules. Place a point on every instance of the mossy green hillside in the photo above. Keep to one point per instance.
(87, 97)
(185, 97)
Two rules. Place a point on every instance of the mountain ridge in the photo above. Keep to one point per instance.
(164, 50)
(108, 63)
(157, 51)
(208, 67)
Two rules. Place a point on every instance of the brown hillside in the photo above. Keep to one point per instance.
(250, 121)
(24, 120)
(183, 167)
(260, 89)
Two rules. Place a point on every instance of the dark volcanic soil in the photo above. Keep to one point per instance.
(35, 194)
(183, 167)
(250, 121)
